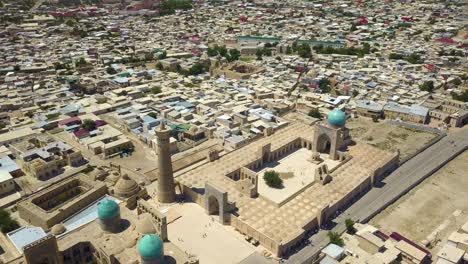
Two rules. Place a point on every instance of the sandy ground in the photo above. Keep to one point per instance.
(222, 244)
(388, 137)
(437, 206)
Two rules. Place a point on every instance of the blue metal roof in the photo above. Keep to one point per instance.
(8, 164)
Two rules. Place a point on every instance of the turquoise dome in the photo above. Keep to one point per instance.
(108, 209)
(150, 246)
(337, 118)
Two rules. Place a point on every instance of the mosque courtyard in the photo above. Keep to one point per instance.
(300, 174)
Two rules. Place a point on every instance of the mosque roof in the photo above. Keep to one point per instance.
(150, 246)
(108, 209)
(337, 118)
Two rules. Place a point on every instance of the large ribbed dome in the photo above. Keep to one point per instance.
(150, 246)
(126, 187)
(108, 209)
(337, 118)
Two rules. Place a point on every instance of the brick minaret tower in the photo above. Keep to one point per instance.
(166, 189)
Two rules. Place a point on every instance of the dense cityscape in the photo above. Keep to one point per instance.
(218, 131)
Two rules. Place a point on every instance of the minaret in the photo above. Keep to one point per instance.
(166, 189)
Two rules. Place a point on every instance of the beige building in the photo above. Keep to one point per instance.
(7, 184)
(231, 182)
(43, 157)
(52, 205)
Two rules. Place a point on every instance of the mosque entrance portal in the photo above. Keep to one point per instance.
(213, 206)
(324, 144)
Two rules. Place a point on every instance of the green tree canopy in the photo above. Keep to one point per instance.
(335, 239)
(315, 113)
(88, 124)
(7, 224)
(350, 226)
(427, 86)
(273, 180)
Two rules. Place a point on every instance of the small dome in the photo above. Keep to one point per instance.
(337, 118)
(126, 187)
(58, 229)
(150, 247)
(145, 226)
(108, 209)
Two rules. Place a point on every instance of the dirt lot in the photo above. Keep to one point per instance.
(388, 137)
(438, 204)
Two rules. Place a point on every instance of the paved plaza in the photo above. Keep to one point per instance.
(201, 235)
(302, 169)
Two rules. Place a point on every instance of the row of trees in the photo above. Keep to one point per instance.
(196, 69)
(414, 58)
(169, 7)
(230, 55)
(360, 52)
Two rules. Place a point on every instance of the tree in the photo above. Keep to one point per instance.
(88, 124)
(159, 66)
(315, 113)
(278, 58)
(7, 224)
(273, 180)
(81, 62)
(196, 69)
(162, 56)
(375, 119)
(110, 70)
(267, 52)
(456, 81)
(259, 54)
(155, 90)
(463, 97)
(350, 226)
(355, 93)
(427, 86)
(353, 28)
(288, 50)
(324, 85)
(304, 50)
(335, 239)
(234, 54)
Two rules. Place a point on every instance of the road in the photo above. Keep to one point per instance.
(392, 188)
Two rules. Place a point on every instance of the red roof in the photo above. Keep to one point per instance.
(447, 40)
(69, 120)
(81, 132)
(100, 123)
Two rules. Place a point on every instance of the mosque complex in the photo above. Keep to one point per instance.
(322, 169)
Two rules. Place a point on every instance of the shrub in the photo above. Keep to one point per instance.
(350, 226)
(315, 113)
(88, 124)
(272, 179)
(335, 239)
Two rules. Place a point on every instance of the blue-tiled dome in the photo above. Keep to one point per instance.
(108, 209)
(337, 118)
(150, 246)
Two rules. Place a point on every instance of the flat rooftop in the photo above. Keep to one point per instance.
(26, 235)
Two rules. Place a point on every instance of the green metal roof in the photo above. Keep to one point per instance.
(150, 246)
